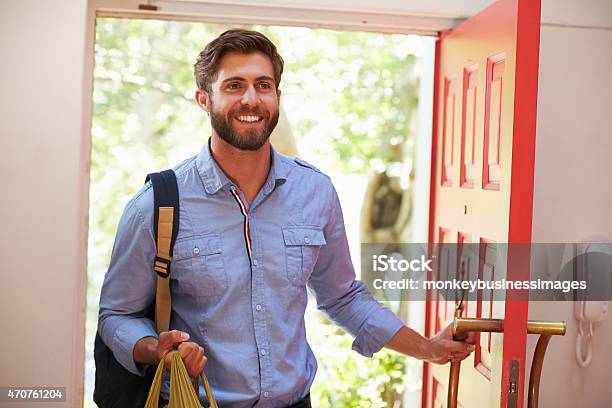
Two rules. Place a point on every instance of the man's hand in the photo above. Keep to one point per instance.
(444, 349)
(191, 353)
(439, 350)
(150, 350)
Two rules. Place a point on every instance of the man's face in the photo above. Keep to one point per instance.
(244, 101)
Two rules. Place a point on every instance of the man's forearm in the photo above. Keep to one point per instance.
(145, 351)
(411, 343)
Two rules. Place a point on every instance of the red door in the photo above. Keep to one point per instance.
(482, 188)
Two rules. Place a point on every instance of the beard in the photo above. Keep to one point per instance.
(247, 139)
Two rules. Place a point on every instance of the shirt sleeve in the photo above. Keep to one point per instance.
(347, 301)
(129, 287)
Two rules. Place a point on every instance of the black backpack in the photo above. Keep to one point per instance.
(116, 387)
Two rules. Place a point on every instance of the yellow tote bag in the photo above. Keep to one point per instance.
(182, 392)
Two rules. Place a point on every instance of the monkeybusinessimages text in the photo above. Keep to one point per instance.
(386, 263)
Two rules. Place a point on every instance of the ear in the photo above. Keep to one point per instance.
(202, 99)
(278, 94)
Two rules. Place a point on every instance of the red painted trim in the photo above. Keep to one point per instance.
(525, 116)
(432, 208)
(522, 182)
(434, 143)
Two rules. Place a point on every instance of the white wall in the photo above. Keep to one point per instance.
(44, 195)
(577, 13)
(573, 194)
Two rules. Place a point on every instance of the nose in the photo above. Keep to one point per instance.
(249, 97)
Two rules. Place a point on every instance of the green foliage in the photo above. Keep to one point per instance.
(352, 94)
(347, 379)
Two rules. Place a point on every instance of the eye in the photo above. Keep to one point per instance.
(265, 85)
(233, 85)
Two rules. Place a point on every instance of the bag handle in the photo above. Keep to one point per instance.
(181, 392)
(207, 389)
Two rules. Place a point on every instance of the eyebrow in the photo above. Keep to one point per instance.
(238, 78)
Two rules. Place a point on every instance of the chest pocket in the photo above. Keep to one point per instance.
(198, 266)
(302, 245)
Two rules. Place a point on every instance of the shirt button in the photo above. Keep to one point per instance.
(258, 308)
(263, 352)
(266, 394)
(255, 262)
(196, 250)
(307, 240)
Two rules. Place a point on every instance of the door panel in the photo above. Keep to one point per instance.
(482, 188)
(448, 133)
(468, 125)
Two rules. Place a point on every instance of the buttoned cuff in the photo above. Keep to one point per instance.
(125, 338)
(377, 332)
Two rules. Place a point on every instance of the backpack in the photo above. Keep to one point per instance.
(116, 387)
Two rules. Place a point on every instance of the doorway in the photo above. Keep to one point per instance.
(144, 120)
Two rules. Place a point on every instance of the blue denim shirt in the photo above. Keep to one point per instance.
(239, 280)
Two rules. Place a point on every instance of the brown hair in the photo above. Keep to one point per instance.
(235, 40)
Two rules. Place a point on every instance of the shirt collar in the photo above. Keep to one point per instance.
(214, 178)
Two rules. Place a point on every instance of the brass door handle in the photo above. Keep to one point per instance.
(463, 326)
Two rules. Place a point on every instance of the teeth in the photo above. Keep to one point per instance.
(248, 118)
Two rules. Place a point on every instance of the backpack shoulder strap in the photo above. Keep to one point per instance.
(166, 226)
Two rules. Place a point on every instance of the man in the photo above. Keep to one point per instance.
(256, 228)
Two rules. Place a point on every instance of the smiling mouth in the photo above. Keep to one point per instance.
(248, 119)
